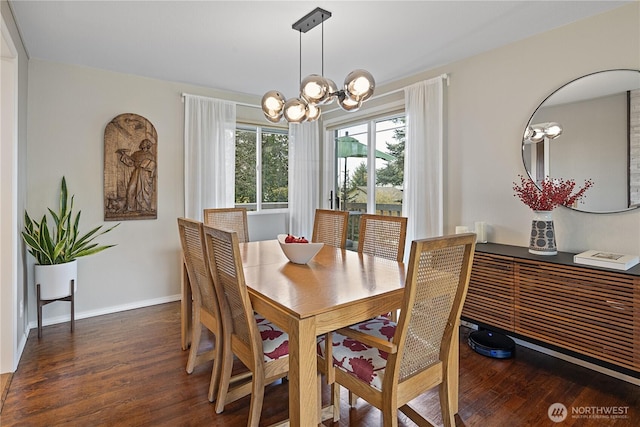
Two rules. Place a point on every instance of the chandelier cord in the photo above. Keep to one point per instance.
(358, 86)
(322, 48)
(300, 72)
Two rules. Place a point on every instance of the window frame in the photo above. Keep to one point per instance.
(370, 123)
(259, 130)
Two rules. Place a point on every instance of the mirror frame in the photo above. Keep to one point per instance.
(542, 104)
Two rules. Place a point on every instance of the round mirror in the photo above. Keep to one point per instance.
(590, 129)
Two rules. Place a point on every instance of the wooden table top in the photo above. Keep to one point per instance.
(334, 278)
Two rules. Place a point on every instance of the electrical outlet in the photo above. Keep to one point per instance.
(21, 308)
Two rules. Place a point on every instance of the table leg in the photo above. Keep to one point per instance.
(185, 307)
(303, 390)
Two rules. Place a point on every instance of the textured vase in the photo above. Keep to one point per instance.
(543, 235)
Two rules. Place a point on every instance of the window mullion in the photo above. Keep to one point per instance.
(258, 168)
(371, 168)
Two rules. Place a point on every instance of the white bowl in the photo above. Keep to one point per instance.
(299, 253)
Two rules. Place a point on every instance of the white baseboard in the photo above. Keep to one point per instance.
(468, 325)
(580, 362)
(107, 310)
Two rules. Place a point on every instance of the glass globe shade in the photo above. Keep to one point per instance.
(295, 110)
(313, 112)
(314, 88)
(359, 84)
(347, 103)
(332, 92)
(272, 103)
(552, 130)
(273, 118)
(527, 133)
(536, 134)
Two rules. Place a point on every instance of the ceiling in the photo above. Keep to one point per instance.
(250, 47)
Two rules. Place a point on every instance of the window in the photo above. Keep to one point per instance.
(364, 187)
(262, 168)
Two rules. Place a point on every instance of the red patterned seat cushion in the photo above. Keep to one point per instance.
(360, 360)
(275, 341)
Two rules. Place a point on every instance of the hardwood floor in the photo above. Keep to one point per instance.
(5, 380)
(127, 369)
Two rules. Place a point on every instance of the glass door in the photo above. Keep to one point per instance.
(369, 170)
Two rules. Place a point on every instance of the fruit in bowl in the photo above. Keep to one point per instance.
(298, 249)
(293, 239)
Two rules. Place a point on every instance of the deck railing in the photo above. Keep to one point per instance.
(355, 210)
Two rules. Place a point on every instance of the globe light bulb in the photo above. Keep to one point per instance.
(332, 92)
(295, 110)
(552, 130)
(537, 134)
(347, 103)
(313, 112)
(314, 89)
(272, 105)
(359, 85)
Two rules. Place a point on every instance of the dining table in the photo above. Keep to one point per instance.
(335, 289)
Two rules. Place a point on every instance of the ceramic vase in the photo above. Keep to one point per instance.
(543, 235)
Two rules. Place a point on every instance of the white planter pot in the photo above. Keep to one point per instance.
(55, 280)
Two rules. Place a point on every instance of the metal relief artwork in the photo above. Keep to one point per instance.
(130, 169)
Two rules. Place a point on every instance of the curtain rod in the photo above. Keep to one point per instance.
(391, 92)
(244, 104)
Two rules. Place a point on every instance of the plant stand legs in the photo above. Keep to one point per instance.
(41, 303)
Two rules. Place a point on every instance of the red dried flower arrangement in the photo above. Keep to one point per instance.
(554, 192)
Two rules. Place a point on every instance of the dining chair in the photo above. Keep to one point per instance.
(206, 310)
(234, 219)
(330, 227)
(389, 364)
(382, 236)
(259, 344)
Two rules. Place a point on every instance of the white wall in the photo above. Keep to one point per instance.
(489, 102)
(69, 107)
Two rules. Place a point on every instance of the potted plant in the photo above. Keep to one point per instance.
(543, 198)
(56, 247)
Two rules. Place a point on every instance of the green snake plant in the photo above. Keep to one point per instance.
(61, 242)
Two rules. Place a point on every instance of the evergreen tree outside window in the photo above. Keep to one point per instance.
(262, 168)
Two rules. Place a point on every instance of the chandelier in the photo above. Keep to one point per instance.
(317, 90)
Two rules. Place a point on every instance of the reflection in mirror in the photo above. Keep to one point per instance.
(598, 139)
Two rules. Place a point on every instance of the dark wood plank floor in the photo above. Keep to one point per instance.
(127, 369)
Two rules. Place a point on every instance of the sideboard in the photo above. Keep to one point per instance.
(587, 312)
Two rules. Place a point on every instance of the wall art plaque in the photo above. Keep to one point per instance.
(130, 169)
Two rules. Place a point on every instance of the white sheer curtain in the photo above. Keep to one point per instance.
(209, 154)
(304, 170)
(423, 164)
